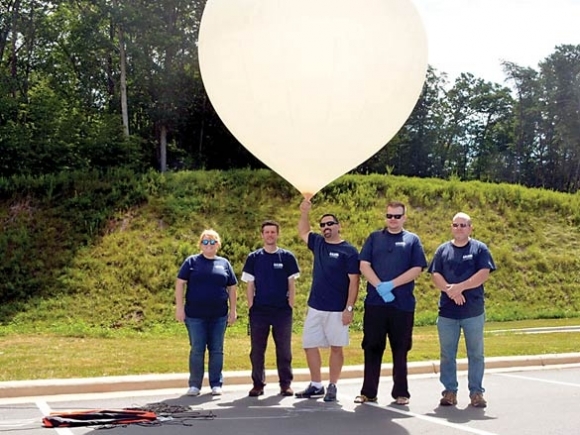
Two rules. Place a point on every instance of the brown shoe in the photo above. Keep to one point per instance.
(449, 398)
(401, 400)
(286, 391)
(364, 399)
(256, 391)
(477, 401)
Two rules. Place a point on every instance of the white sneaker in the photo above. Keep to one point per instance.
(193, 391)
(216, 391)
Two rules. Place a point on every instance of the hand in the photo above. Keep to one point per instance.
(455, 293)
(232, 317)
(453, 290)
(180, 314)
(347, 317)
(459, 300)
(305, 206)
(385, 291)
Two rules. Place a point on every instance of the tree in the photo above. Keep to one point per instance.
(561, 122)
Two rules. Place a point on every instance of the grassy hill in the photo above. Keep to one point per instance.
(87, 254)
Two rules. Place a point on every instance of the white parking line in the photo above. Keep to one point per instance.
(547, 381)
(45, 409)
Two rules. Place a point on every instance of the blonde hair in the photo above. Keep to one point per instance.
(211, 234)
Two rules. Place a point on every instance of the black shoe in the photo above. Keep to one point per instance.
(330, 393)
(311, 393)
(256, 391)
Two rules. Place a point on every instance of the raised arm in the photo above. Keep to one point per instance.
(304, 223)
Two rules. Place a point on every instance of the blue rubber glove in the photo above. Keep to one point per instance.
(385, 291)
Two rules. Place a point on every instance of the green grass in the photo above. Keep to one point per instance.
(37, 355)
(89, 261)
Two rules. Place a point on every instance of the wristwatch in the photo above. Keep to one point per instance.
(349, 308)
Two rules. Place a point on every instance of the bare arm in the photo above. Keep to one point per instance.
(439, 282)
(179, 299)
(303, 223)
(369, 273)
(477, 279)
(291, 291)
(354, 281)
(443, 286)
(233, 297)
(250, 293)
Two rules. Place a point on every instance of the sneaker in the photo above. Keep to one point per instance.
(216, 391)
(256, 391)
(330, 395)
(401, 400)
(364, 399)
(477, 401)
(193, 391)
(286, 391)
(449, 398)
(311, 393)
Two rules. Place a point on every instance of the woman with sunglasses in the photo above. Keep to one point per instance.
(205, 284)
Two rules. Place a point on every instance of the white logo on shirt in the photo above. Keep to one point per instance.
(278, 266)
(468, 257)
(333, 254)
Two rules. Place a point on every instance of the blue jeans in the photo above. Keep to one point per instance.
(449, 331)
(206, 333)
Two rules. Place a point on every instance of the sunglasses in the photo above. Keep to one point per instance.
(208, 242)
(460, 225)
(393, 216)
(327, 224)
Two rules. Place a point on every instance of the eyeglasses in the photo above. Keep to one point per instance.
(327, 224)
(460, 225)
(208, 242)
(393, 216)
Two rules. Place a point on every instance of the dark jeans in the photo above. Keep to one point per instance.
(280, 320)
(379, 323)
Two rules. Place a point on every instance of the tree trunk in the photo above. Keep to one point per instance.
(123, 78)
(163, 148)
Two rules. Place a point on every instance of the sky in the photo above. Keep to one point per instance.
(476, 35)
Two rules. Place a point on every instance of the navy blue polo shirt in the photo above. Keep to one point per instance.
(457, 264)
(391, 255)
(332, 265)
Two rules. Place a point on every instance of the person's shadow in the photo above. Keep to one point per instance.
(454, 414)
(266, 414)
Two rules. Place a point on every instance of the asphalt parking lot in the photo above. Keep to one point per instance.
(532, 400)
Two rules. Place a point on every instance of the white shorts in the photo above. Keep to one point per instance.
(324, 329)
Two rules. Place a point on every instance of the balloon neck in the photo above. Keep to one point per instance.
(307, 196)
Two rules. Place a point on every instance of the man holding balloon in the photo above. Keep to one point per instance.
(334, 290)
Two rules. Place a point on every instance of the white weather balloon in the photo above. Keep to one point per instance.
(312, 88)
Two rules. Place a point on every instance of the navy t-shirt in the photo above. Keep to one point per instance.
(270, 273)
(390, 255)
(332, 265)
(207, 282)
(456, 264)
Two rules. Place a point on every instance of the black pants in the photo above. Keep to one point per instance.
(379, 323)
(280, 320)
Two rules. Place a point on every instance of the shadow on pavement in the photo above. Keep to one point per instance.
(269, 415)
(458, 415)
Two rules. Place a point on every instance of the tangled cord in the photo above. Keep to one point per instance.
(166, 415)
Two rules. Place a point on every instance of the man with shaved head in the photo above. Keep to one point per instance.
(459, 269)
